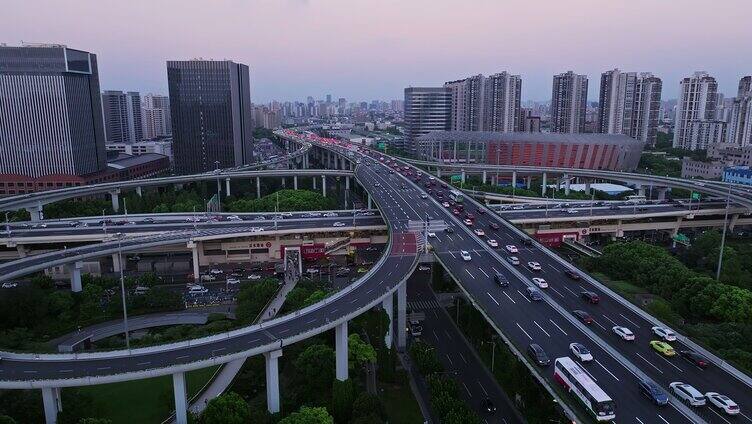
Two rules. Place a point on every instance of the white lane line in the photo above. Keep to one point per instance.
(719, 415)
(630, 321)
(468, 273)
(450, 252)
(30, 372)
(435, 335)
(450, 360)
(606, 369)
(72, 370)
(742, 414)
(182, 357)
(463, 357)
(639, 420)
(524, 297)
(609, 319)
(311, 320)
(555, 325)
(103, 368)
(143, 363)
(669, 362)
(449, 336)
(508, 297)
(523, 330)
(557, 292)
(599, 325)
(570, 290)
(467, 390)
(649, 363)
(483, 388)
(450, 238)
(484, 272)
(664, 420)
(495, 271)
(588, 373)
(284, 331)
(493, 298)
(541, 328)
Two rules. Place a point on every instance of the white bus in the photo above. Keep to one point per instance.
(577, 381)
(456, 196)
(637, 198)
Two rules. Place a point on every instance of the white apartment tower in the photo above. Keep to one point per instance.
(467, 103)
(569, 103)
(629, 104)
(739, 130)
(501, 103)
(155, 116)
(697, 102)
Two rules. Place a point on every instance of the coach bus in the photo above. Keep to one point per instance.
(456, 196)
(578, 382)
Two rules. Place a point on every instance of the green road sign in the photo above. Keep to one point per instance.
(695, 195)
(382, 146)
(213, 204)
(455, 178)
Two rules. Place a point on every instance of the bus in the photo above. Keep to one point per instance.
(577, 381)
(637, 199)
(456, 196)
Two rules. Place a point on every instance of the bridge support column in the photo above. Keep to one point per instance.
(314, 183)
(347, 183)
(138, 191)
(529, 182)
(194, 253)
(543, 185)
(115, 196)
(75, 272)
(284, 182)
(295, 182)
(566, 184)
(340, 339)
(438, 172)
(272, 380)
(514, 179)
(662, 192)
(227, 186)
(370, 203)
(640, 190)
(51, 402)
(587, 186)
(35, 213)
(116, 262)
(484, 176)
(733, 221)
(402, 316)
(323, 185)
(388, 305)
(463, 176)
(181, 398)
(258, 187)
(21, 249)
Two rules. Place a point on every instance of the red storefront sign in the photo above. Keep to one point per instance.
(309, 252)
(555, 239)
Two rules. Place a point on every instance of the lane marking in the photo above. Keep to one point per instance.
(555, 325)
(612, 321)
(144, 363)
(639, 420)
(712, 408)
(182, 357)
(524, 297)
(669, 362)
(482, 388)
(72, 370)
(570, 290)
(467, 390)
(450, 252)
(468, 273)
(523, 330)
(630, 321)
(557, 292)
(599, 325)
(484, 272)
(450, 360)
(664, 420)
(508, 297)
(588, 372)
(463, 357)
(541, 328)
(649, 363)
(606, 369)
(492, 298)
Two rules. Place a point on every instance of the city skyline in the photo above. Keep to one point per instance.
(369, 60)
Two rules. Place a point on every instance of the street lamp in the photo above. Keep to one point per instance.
(219, 199)
(723, 235)
(122, 292)
(7, 224)
(493, 350)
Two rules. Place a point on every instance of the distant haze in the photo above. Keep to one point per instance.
(364, 50)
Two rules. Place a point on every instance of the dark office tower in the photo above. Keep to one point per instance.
(210, 105)
(122, 116)
(427, 109)
(50, 112)
(745, 86)
(569, 103)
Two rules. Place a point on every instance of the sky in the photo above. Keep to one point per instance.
(366, 50)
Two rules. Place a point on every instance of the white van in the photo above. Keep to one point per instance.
(197, 290)
(141, 290)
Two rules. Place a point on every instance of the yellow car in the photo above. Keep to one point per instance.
(663, 348)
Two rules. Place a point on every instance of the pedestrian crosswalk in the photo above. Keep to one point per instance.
(423, 304)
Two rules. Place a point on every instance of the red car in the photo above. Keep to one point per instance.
(494, 225)
(456, 212)
(480, 211)
(469, 216)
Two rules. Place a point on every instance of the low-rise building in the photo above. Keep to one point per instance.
(732, 154)
(162, 147)
(708, 170)
(738, 175)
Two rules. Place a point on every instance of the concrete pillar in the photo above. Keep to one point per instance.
(227, 186)
(178, 186)
(438, 172)
(662, 192)
(258, 187)
(35, 213)
(529, 182)
(272, 380)
(484, 176)
(194, 251)
(733, 221)
(314, 183)
(323, 185)
(587, 186)
(388, 305)
(21, 249)
(463, 176)
(138, 191)
(514, 179)
(566, 184)
(116, 262)
(543, 186)
(115, 196)
(370, 204)
(284, 182)
(347, 183)
(181, 398)
(50, 401)
(75, 272)
(641, 190)
(402, 316)
(295, 182)
(340, 339)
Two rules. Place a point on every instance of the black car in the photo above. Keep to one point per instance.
(536, 352)
(653, 392)
(526, 241)
(534, 294)
(695, 358)
(590, 297)
(583, 316)
(487, 405)
(494, 226)
(614, 207)
(501, 280)
(448, 230)
(572, 274)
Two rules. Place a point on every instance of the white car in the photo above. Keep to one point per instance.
(493, 243)
(534, 266)
(445, 204)
(233, 218)
(468, 222)
(541, 283)
(478, 232)
(514, 260)
(723, 402)
(330, 214)
(664, 333)
(511, 248)
(571, 211)
(216, 271)
(233, 281)
(338, 224)
(581, 352)
(312, 271)
(10, 285)
(431, 235)
(623, 332)
(254, 277)
(423, 196)
(465, 255)
(259, 218)
(687, 393)
(256, 229)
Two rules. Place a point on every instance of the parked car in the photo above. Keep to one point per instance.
(233, 280)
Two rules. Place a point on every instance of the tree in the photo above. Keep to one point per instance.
(315, 370)
(359, 352)
(252, 298)
(228, 408)
(343, 396)
(94, 421)
(4, 419)
(308, 415)
(366, 405)
(425, 358)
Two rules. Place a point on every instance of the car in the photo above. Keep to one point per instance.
(614, 207)
(590, 297)
(260, 218)
(330, 214)
(538, 355)
(468, 215)
(10, 285)
(416, 329)
(493, 243)
(653, 392)
(423, 196)
(391, 171)
(511, 248)
(580, 352)
(233, 280)
(541, 283)
(688, 394)
(526, 241)
(449, 230)
(663, 348)
(534, 266)
(583, 316)
(480, 211)
(572, 211)
(514, 260)
(456, 212)
(312, 271)
(572, 274)
(488, 406)
(468, 222)
(377, 185)
(501, 279)
(664, 333)
(695, 358)
(465, 255)
(254, 277)
(478, 232)
(233, 218)
(446, 205)
(431, 234)
(338, 224)
(424, 268)
(723, 403)
(534, 294)
(208, 277)
(216, 271)
(623, 332)
(494, 226)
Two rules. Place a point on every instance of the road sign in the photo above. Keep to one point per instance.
(381, 146)
(456, 178)
(681, 238)
(696, 195)
(213, 204)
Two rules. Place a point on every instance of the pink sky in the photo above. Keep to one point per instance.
(365, 50)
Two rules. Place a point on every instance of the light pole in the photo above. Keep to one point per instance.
(7, 224)
(493, 351)
(104, 224)
(219, 199)
(723, 236)
(122, 293)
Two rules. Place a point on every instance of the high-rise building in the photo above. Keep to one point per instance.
(528, 122)
(745, 86)
(704, 133)
(427, 109)
(210, 106)
(629, 104)
(501, 103)
(51, 112)
(160, 109)
(569, 103)
(122, 116)
(739, 128)
(697, 102)
(467, 103)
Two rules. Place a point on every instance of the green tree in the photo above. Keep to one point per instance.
(315, 370)
(309, 415)
(359, 352)
(4, 419)
(252, 299)
(228, 408)
(366, 405)
(94, 421)
(425, 358)
(343, 396)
